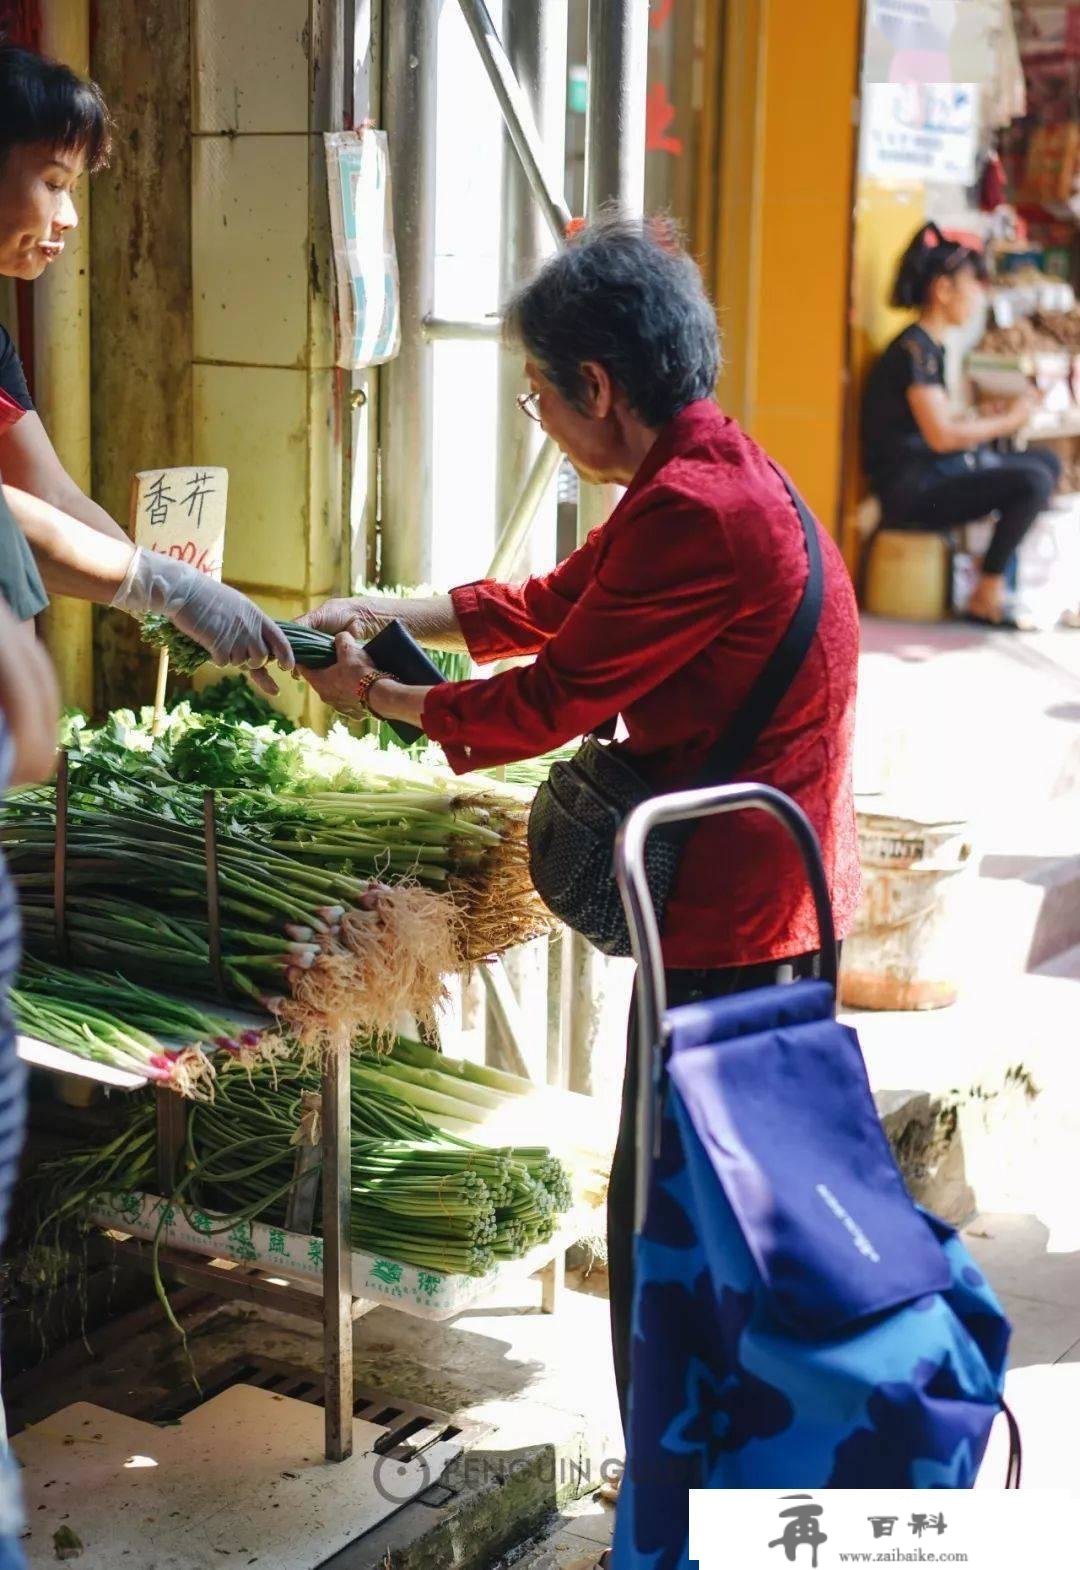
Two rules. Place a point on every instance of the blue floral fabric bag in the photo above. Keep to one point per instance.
(798, 1322)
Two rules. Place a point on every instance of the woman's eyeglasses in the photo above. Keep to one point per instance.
(529, 403)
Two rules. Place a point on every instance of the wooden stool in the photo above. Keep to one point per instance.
(906, 574)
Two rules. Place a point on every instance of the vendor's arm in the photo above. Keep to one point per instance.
(28, 461)
(493, 621)
(944, 431)
(28, 700)
(80, 561)
(664, 591)
(72, 557)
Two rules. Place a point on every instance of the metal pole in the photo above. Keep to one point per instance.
(519, 524)
(407, 390)
(443, 329)
(618, 53)
(536, 47)
(535, 62)
(617, 59)
(62, 365)
(337, 1259)
(514, 104)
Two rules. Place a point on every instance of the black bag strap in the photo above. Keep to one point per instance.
(760, 704)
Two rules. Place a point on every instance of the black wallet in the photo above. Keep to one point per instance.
(396, 651)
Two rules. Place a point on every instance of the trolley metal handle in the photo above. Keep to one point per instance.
(645, 930)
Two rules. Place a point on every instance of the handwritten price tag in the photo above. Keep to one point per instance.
(181, 513)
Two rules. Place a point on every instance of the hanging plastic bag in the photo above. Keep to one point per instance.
(367, 294)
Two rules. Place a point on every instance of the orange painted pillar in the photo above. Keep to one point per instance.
(784, 234)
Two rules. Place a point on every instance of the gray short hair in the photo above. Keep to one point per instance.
(623, 293)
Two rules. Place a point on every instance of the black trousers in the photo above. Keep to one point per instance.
(683, 986)
(1018, 486)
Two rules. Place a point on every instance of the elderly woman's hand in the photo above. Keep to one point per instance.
(362, 615)
(338, 684)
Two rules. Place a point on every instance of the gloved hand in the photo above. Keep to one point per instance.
(230, 627)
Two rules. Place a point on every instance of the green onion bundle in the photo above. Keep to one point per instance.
(418, 1195)
(109, 1019)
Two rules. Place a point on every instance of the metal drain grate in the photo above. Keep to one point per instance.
(410, 1427)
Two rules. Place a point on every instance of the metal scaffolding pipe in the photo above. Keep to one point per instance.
(617, 60)
(443, 329)
(535, 38)
(517, 114)
(516, 528)
(406, 416)
(62, 366)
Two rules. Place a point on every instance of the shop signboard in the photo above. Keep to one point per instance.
(925, 131)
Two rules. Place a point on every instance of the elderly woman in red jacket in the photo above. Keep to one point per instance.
(665, 615)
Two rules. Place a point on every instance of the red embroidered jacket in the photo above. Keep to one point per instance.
(666, 615)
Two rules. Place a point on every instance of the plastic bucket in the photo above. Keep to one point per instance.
(903, 952)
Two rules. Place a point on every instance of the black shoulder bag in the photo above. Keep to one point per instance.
(577, 811)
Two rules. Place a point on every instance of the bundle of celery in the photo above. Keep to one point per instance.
(418, 1195)
(108, 1019)
(343, 804)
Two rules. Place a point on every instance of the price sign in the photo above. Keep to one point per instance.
(181, 513)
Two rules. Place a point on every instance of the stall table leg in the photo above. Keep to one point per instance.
(337, 1263)
(171, 1133)
(552, 1282)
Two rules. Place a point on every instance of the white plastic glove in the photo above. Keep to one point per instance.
(230, 627)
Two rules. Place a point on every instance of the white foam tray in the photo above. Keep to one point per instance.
(426, 1294)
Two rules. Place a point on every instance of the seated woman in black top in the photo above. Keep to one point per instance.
(929, 467)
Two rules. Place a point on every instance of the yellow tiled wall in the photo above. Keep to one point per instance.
(268, 400)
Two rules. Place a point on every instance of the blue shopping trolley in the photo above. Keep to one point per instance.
(798, 1321)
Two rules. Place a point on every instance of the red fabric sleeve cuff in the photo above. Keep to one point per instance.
(10, 411)
(441, 724)
(467, 602)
